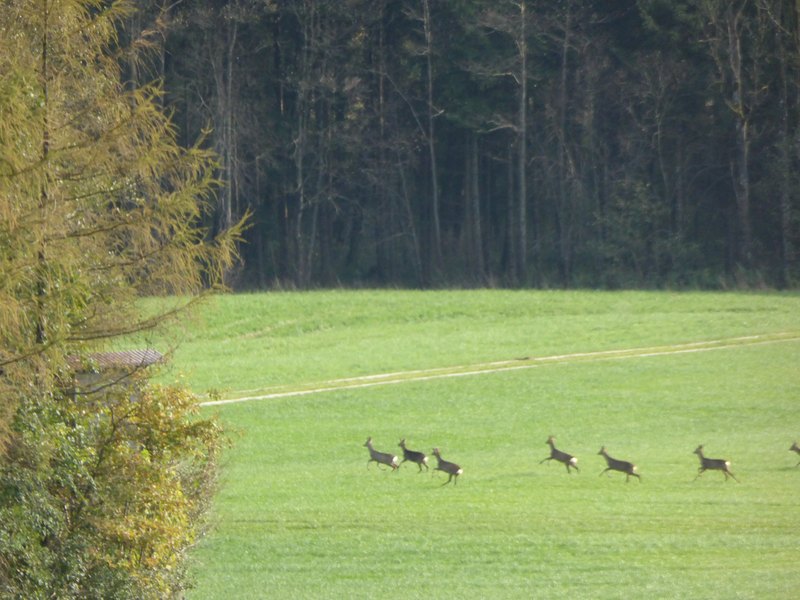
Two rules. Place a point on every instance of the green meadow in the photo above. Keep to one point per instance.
(650, 375)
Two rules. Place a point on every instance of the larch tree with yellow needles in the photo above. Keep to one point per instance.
(99, 206)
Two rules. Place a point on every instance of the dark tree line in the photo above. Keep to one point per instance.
(504, 142)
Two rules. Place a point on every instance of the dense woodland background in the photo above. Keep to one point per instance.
(552, 143)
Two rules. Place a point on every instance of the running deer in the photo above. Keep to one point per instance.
(416, 457)
(796, 448)
(382, 458)
(619, 465)
(452, 469)
(562, 457)
(715, 464)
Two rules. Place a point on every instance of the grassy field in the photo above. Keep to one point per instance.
(299, 514)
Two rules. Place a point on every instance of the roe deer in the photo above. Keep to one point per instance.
(382, 458)
(413, 456)
(619, 465)
(562, 457)
(715, 464)
(796, 448)
(452, 469)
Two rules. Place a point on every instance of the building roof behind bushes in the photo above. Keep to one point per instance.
(123, 359)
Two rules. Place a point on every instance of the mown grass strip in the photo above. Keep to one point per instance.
(350, 383)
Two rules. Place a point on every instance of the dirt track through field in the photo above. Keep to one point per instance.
(516, 364)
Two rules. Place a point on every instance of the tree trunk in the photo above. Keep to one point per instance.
(436, 231)
(522, 208)
(564, 176)
(785, 204)
(510, 247)
(473, 198)
(296, 260)
(416, 252)
(733, 37)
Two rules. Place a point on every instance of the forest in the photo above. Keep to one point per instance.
(537, 143)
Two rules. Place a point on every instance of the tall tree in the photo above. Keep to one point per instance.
(729, 23)
(431, 114)
(98, 206)
(106, 206)
(783, 23)
(505, 26)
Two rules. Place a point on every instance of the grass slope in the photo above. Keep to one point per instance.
(299, 515)
(252, 342)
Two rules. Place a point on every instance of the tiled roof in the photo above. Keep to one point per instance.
(124, 359)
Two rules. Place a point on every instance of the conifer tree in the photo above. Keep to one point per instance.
(99, 205)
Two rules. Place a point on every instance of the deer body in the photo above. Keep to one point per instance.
(619, 465)
(412, 455)
(452, 469)
(796, 448)
(714, 464)
(382, 458)
(555, 454)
